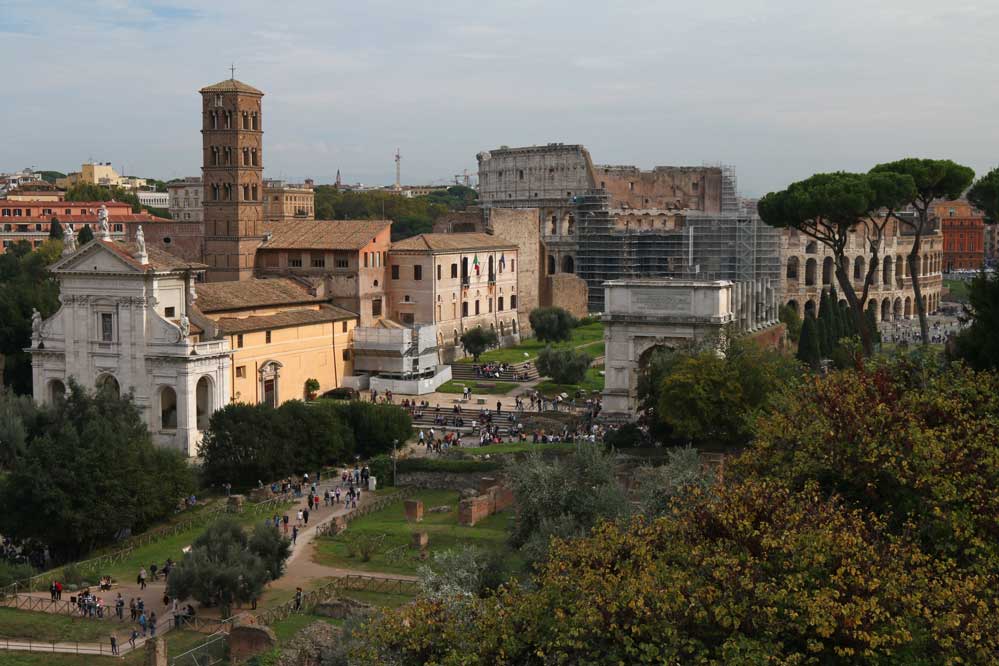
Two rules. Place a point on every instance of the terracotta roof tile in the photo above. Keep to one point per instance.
(322, 234)
(159, 260)
(453, 243)
(326, 313)
(254, 293)
(231, 85)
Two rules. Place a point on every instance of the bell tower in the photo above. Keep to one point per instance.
(232, 175)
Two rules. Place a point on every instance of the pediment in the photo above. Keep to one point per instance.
(95, 257)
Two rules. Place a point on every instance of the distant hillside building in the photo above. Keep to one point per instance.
(963, 228)
(285, 202)
(99, 173)
(31, 220)
(185, 199)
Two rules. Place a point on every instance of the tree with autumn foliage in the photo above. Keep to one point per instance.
(906, 440)
(752, 573)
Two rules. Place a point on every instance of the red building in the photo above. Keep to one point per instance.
(30, 220)
(963, 228)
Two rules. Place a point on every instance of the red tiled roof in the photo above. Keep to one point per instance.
(456, 242)
(322, 234)
(159, 260)
(253, 293)
(231, 85)
(326, 313)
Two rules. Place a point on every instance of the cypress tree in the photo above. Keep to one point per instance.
(86, 235)
(826, 326)
(55, 230)
(808, 343)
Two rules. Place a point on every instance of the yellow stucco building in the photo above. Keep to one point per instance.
(281, 335)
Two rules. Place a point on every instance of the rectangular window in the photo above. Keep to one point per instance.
(499, 304)
(395, 271)
(341, 260)
(169, 313)
(407, 318)
(438, 271)
(513, 302)
(366, 259)
(107, 327)
(489, 304)
(346, 354)
(344, 327)
(464, 308)
(294, 261)
(476, 306)
(241, 371)
(417, 272)
(267, 337)
(319, 262)
(376, 307)
(454, 271)
(239, 341)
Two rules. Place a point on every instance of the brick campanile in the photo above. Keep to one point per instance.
(232, 173)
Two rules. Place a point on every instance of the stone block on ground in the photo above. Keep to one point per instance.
(414, 511)
(248, 639)
(343, 607)
(235, 503)
(485, 483)
(420, 540)
(156, 652)
(443, 508)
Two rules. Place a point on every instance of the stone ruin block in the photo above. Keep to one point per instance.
(248, 639)
(485, 483)
(420, 540)
(414, 511)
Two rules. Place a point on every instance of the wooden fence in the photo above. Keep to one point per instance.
(62, 647)
(41, 581)
(336, 586)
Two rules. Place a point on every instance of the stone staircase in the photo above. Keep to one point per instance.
(517, 372)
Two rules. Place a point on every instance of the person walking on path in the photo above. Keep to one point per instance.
(142, 578)
(132, 637)
(299, 516)
(294, 535)
(133, 610)
(114, 645)
(119, 607)
(144, 623)
(152, 623)
(305, 514)
(298, 599)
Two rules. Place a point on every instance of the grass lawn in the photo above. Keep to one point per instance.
(51, 627)
(530, 348)
(382, 599)
(178, 642)
(958, 290)
(394, 554)
(506, 449)
(481, 388)
(171, 546)
(286, 629)
(593, 381)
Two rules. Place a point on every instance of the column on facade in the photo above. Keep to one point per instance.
(751, 305)
(737, 305)
(187, 412)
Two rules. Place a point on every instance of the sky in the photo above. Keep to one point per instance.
(781, 89)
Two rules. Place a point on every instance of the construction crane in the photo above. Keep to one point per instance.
(463, 178)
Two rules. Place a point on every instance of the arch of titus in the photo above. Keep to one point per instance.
(645, 313)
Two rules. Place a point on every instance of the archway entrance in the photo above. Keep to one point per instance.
(57, 392)
(204, 403)
(269, 376)
(107, 382)
(168, 408)
(568, 264)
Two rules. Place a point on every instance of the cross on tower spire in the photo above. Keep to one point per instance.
(232, 71)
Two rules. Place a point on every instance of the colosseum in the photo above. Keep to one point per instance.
(809, 269)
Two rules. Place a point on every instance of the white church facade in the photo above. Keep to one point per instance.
(125, 322)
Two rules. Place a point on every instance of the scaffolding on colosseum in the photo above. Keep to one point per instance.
(734, 245)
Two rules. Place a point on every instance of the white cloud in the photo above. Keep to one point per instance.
(781, 88)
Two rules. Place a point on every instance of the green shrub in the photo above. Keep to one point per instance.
(375, 427)
(628, 436)
(381, 469)
(71, 574)
(11, 573)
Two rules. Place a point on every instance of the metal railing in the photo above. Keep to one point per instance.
(61, 647)
(212, 651)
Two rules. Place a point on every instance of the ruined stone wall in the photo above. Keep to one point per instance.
(460, 221)
(697, 188)
(555, 171)
(520, 226)
(772, 337)
(438, 480)
(493, 500)
(566, 291)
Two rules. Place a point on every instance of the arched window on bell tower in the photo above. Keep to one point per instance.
(255, 161)
(246, 120)
(256, 122)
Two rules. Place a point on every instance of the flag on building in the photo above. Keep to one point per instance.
(475, 263)
(502, 262)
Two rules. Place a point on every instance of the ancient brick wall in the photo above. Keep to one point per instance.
(493, 500)
(520, 226)
(566, 291)
(697, 188)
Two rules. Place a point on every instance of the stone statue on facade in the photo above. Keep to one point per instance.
(103, 230)
(36, 324)
(68, 241)
(140, 241)
(185, 326)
